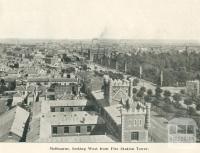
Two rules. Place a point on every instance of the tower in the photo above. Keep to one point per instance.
(135, 122)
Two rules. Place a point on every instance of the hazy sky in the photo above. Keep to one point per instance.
(135, 19)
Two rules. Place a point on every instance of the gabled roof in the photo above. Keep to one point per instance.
(13, 121)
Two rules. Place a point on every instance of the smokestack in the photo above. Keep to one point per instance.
(140, 72)
(161, 78)
(131, 87)
(148, 115)
(125, 67)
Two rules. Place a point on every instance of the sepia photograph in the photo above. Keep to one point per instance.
(100, 72)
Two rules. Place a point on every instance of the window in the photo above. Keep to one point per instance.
(62, 109)
(134, 135)
(181, 129)
(52, 109)
(55, 130)
(78, 129)
(135, 122)
(66, 129)
(190, 129)
(71, 109)
(140, 122)
(89, 128)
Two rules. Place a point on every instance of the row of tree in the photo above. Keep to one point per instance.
(176, 67)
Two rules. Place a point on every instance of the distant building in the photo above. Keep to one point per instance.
(13, 124)
(192, 87)
(182, 130)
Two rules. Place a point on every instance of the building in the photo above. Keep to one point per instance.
(12, 125)
(192, 87)
(125, 119)
(182, 130)
(65, 121)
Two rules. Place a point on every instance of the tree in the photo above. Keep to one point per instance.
(134, 90)
(188, 102)
(191, 111)
(149, 92)
(140, 94)
(168, 108)
(198, 107)
(167, 93)
(143, 89)
(182, 91)
(177, 97)
(158, 92)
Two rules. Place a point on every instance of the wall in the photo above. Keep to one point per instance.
(129, 126)
(98, 129)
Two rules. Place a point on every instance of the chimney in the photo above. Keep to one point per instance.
(131, 87)
(148, 115)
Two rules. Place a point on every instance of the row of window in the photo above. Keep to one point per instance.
(62, 109)
(71, 108)
(137, 122)
(66, 129)
(182, 129)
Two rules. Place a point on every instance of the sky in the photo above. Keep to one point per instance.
(87, 19)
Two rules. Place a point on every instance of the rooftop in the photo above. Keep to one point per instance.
(72, 118)
(115, 112)
(13, 121)
(80, 139)
(46, 79)
(76, 102)
(182, 121)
